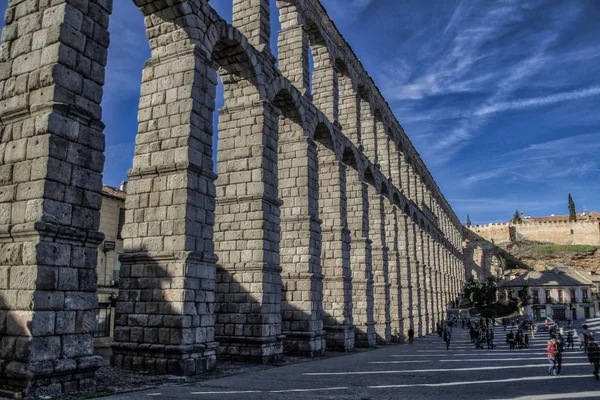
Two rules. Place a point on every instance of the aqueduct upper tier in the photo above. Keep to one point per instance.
(322, 228)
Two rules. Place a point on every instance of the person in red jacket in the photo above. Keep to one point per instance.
(551, 350)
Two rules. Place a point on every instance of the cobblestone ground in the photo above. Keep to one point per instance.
(424, 370)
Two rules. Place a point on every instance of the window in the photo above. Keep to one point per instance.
(548, 297)
(121, 222)
(102, 321)
(584, 293)
(117, 269)
(573, 298)
(535, 295)
(561, 296)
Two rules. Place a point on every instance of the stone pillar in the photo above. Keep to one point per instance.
(252, 19)
(430, 282)
(51, 161)
(349, 105)
(335, 253)
(406, 171)
(383, 156)
(248, 303)
(395, 166)
(395, 273)
(302, 303)
(368, 137)
(292, 46)
(416, 278)
(406, 272)
(423, 293)
(360, 261)
(379, 253)
(437, 280)
(325, 91)
(165, 310)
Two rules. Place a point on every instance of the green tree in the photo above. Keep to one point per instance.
(572, 213)
(468, 221)
(516, 218)
(524, 296)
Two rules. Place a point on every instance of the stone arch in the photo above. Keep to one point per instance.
(350, 158)
(236, 63)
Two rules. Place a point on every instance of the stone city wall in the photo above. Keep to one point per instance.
(560, 233)
(323, 229)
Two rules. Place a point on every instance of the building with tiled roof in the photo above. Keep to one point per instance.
(560, 293)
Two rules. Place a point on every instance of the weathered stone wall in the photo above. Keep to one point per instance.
(562, 233)
(324, 228)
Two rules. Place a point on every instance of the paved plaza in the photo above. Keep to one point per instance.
(424, 370)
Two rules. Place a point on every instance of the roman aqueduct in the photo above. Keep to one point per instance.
(322, 228)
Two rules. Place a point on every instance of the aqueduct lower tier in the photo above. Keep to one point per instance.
(323, 230)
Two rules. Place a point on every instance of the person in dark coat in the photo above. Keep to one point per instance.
(560, 347)
(411, 335)
(593, 352)
(447, 337)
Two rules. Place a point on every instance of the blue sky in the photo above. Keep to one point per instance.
(500, 98)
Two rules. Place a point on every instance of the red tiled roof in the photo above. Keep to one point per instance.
(113, 192)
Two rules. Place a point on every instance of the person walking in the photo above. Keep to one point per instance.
(551, 356)
(560, 347)
(593, 352)
(447, 337)
(510, 338)
(570, 340)
(586, 337)
(411, 335)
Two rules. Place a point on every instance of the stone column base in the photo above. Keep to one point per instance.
(162, 359)
(339, 337)
(305, 344)
(48, 378)
(250, 349)
(366, 337)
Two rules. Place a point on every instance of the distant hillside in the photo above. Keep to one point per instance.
(541, 256)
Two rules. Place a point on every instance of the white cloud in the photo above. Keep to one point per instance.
(538, 101)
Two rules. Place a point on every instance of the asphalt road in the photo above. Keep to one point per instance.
(423, 370)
